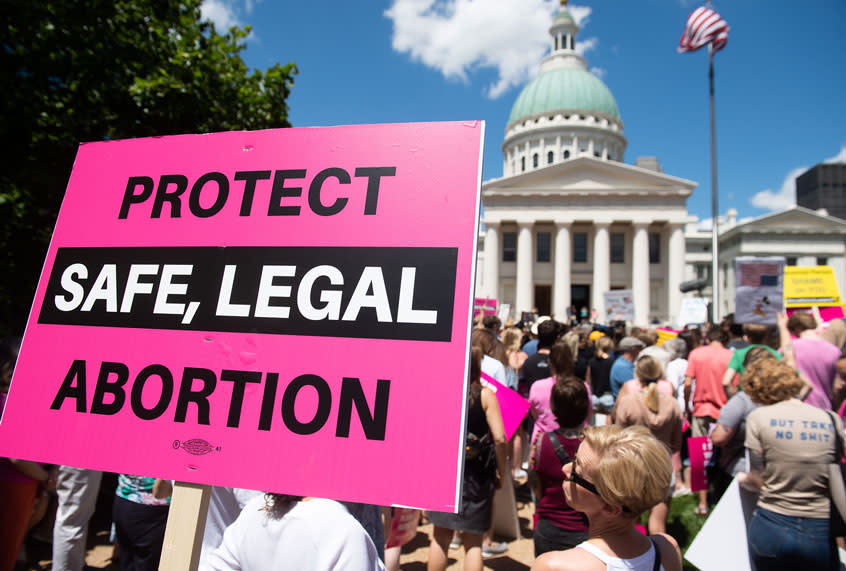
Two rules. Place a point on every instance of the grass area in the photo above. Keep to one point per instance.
(682, 523)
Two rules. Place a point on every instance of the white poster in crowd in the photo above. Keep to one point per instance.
(760, 289)
(694, 310)
(721, 543)
(619, 305)
(504, 312)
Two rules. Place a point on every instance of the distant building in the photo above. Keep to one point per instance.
(823, 186)
(804, 237)
(569, 220)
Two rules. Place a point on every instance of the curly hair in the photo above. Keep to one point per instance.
(277, 505)
(769, 381)
(634, 467)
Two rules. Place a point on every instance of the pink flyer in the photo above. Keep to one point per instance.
(700, 449)
(258, 310)
(512, 406)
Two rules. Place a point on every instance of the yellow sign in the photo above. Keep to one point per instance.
(816, 285)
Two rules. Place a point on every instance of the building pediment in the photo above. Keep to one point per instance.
(795, 220)
(588, 176)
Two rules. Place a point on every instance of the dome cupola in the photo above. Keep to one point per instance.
(564, 112)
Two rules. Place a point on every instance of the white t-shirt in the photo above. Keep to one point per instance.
(316, 534)
(494, 368)
(225, 505)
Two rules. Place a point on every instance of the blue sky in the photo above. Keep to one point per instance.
(780, 81)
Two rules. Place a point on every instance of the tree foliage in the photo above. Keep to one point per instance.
(77, 71)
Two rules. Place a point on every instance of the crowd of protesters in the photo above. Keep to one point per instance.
(603, 443)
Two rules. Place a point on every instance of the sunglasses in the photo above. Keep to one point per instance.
(579, 481)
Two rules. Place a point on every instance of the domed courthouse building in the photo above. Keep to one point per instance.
(569, 220)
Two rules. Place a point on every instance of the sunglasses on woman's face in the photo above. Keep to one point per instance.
(579, 481)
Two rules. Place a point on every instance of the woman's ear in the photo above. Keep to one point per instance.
(612, 511)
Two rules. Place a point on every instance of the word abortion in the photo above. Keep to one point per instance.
(158, 382)
(385, 293)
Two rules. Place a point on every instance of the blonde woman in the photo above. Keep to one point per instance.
(616, 475)
(647, 370)
(660, 413)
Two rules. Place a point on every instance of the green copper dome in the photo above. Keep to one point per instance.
(563, 17)
(564, 89)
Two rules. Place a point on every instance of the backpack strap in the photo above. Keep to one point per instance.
(657, 565)
(559, 449)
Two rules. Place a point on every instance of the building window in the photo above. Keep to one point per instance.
(822, 261)
(509, 246)
(523, 163)
(567, 154)
(550, 156)
(703, 271)
(654, 248)
(556, 42)
(618, 247)
(791, 260)
(544, 240)
(580, 247)
(535, 161)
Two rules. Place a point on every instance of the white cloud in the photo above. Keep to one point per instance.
(785, 197)
(839, 157)
(221, 13)
(456, 37)
(581, 14)
(586, 45)
(599, 72)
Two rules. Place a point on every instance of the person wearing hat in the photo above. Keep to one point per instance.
(531, 347)
(623, 368)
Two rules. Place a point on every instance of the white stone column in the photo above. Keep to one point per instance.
(491, 272)
(561, 271)
(525, 262)
(601, 268)
(675, 271)
(640, 274)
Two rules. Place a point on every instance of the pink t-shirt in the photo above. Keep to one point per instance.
(707, 364)
(817, 359)
(539, 396)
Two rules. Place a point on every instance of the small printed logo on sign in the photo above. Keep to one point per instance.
(196, 446)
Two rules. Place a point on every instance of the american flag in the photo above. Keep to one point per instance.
(704, 26)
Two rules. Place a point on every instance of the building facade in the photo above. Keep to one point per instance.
(569, 220)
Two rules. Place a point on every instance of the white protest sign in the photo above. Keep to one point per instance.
(760, 289)
(693, 310)
(619, 305)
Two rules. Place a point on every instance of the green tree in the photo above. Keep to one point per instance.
(77, 71)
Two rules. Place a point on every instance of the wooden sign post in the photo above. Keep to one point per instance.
(186, 523)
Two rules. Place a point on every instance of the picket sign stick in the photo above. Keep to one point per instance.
(186, 523)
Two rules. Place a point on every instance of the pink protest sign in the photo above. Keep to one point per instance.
(512, 406)
(700, 449)
(258, 310)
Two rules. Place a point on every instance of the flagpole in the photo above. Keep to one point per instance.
(715, 264)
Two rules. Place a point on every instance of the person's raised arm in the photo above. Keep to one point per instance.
(785, 340)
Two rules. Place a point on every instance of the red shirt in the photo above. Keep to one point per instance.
(707, 364)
